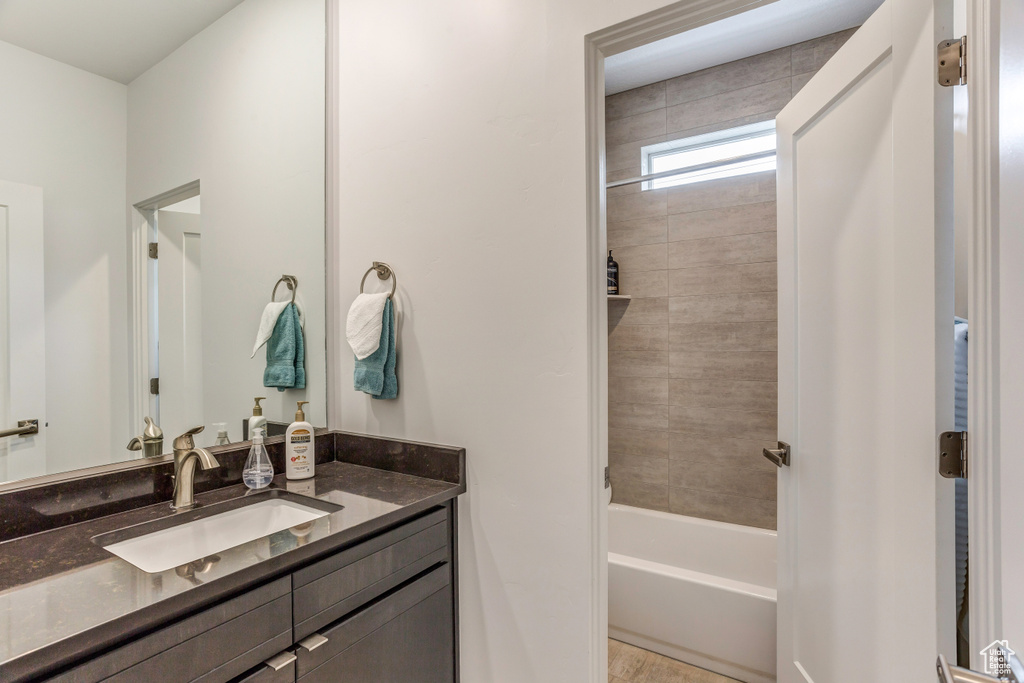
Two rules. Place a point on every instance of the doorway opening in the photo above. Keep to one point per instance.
(167, 255)
(691, 358)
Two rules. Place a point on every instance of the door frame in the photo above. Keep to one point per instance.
(627, 35)
(142, 230)
(994, 389)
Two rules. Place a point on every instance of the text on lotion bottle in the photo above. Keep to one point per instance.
(299, 451)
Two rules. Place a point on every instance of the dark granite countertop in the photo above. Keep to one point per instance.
(62, 597)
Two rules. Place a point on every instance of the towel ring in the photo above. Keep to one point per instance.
(290, 281)
(384, 271)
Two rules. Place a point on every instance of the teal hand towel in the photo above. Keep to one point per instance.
(390, 389)
(286, 353)
(375, 374)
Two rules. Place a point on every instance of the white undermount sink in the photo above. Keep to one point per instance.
(180, 544)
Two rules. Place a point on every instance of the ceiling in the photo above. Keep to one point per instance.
(763, 29)
(116, 39)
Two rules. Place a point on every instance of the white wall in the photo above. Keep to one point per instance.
(462, 164)
(63, 129)
(240, 107)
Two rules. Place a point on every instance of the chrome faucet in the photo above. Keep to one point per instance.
(185, 457)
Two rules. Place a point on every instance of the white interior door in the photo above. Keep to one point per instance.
(22, 330)
(866, 358)
(180, 321)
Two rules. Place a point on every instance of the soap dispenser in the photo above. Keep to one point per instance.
(257, 421)
(299, 453)
(258, 471)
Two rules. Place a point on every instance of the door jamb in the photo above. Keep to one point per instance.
(984, 587)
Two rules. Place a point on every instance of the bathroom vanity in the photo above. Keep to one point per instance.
(366, 591)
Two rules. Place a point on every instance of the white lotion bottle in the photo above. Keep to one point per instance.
(299, 451)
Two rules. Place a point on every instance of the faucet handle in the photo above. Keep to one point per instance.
(185, 441)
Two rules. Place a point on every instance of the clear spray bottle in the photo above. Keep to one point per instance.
(258, 470)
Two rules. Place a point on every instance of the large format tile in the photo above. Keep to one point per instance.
(641, 468)
(723, 507)
(742, 73)
(727, 220)
(752, 188)
(635, 101)
(641, 231)
(637, 416)
(762, 98)
(638, 364)
(638, 390)
(676, 135)
(800, 80)
(721, 450)
(759, 247)
(732, 279)
(723, 308)
(640, 442)
(753, 365)
(724, 337)
(739, 424)
(717, 478)
(641, 257)
(627, 491)
(622, 174)
(637, 338)
(812, 54)
(627, 155)
(628, 207)
(722, 393)
(650, 311)
(633, 128)
(643, 284)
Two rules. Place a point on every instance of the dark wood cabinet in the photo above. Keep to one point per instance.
(381, 610)
(404, 637)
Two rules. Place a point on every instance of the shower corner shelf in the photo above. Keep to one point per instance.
(619, 297)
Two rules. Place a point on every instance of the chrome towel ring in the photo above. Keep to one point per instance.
(384, 271)
(290, 281)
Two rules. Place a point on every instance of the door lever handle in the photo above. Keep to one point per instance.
(779, 456)
(24, 428)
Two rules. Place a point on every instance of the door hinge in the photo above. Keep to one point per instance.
(607, 478)
(953, 455)
(154, 386)
(154, 249)
(952, 62)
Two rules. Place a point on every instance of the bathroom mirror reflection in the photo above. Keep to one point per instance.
(163, 168)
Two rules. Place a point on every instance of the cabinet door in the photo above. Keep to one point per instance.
(406, 637)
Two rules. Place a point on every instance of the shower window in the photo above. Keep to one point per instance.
(722, 154)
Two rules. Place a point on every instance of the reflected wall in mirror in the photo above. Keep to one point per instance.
(197, 127)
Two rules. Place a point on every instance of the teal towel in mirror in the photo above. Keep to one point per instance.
(286, 353)
(375, 374)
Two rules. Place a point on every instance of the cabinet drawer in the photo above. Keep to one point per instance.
(338, 585)
(278, 669)
(405, 636)
(212, 646)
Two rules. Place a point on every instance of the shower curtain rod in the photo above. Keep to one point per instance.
(691, 169)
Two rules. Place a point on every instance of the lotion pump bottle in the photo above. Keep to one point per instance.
(257, 421)
(299, 453)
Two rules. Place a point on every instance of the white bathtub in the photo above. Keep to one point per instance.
(698, 591)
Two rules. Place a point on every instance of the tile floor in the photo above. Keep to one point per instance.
(629, 664)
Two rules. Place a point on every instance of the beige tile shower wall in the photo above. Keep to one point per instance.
(692, 361)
